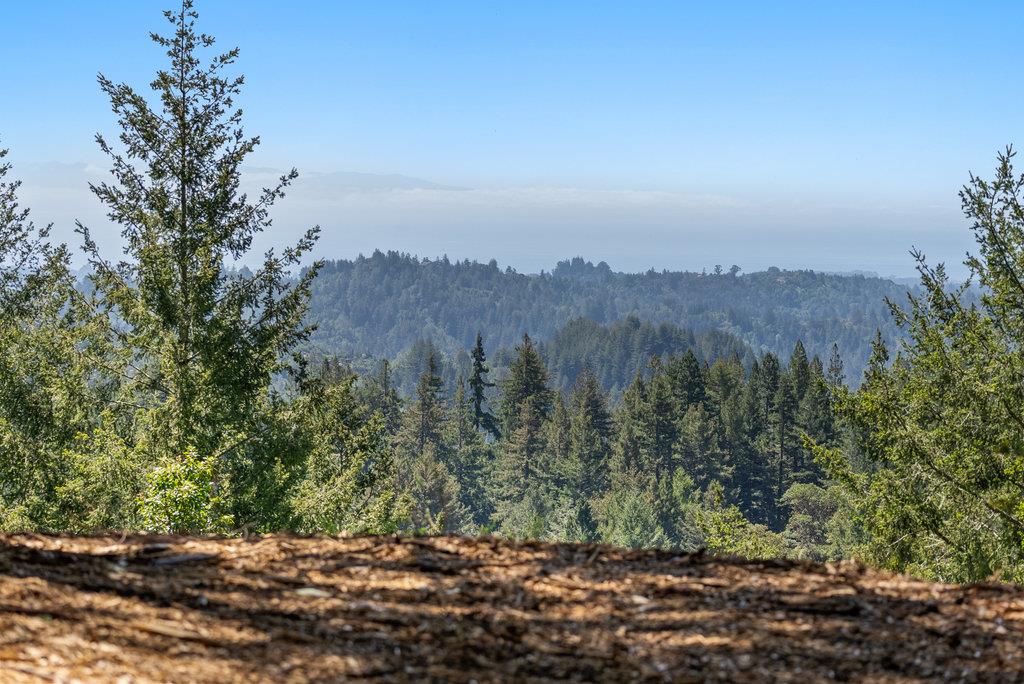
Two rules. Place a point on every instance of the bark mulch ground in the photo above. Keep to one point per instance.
(292, 609)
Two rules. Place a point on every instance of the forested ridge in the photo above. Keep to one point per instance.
(379, 305)
(772, 414)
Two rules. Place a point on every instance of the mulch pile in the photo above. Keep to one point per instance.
(285, 609)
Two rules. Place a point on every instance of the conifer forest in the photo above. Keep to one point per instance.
(790, 414)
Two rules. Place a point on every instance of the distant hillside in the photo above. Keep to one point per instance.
(382, 304)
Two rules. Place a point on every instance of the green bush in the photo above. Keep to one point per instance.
(181, 497)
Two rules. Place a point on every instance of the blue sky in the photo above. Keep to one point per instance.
(667, 135)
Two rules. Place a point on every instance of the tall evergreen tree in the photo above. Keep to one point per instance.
(196, 343)
(483, 419)
(381, 395)
(520, 489)
(525, 384)
(469, 457)
(660, 421)
(590, 434)
(686, 376)
(799, 370)
(941, 424)
(424, 422)
(770, 373)
(835, 375)
(786, 406)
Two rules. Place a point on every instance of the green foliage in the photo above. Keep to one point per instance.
(176, 393)
(811, 525)
(436, 505)
(348, 479)
(628, 517)
(190, 343)
(483, 419)
(182, 497)
(725, 530)
(940, 493)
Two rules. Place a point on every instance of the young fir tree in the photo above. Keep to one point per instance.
(700, 446)
(799, 370)
(424, 422)
(526, 383)
(436, 502)
(590, 435)
(769, 375)
(786, 406)
(382, 396)
(519, 487)
(483, 419)
(835, 376)
(660, 421)
(627, 450)
(558, 443)
(751, 479)
(686, 376)
(348, 473)
(469, 457)
(815, 419)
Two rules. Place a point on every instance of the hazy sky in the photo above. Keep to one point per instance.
(670, 135)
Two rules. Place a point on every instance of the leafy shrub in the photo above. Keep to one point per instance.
(181, 497)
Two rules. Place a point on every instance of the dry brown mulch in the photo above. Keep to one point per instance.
(290, 609)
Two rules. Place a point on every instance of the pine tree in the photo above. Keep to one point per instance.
(815, 418)
(660, 421)
(631, 450)
(786, 406)
(478, 384)
(768, 382)
(704, 459)
(437, 504)
(835, 376)
(526, 384)
(348, 482)
(519, 488)
(196, 344)
(469, 457)
(381, 396)
(687, 379)
(590, 434)
(799, 370)
(424, 422)
(562, 473)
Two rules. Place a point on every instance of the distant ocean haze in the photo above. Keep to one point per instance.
(532, 227)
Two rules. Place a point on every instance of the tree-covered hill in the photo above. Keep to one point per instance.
(382, 304)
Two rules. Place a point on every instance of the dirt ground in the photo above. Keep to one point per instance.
(291, 609)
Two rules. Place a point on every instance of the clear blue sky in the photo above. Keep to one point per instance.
(664, 134)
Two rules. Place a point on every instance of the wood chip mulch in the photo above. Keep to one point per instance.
(293, 609)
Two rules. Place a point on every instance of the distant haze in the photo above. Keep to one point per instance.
(530, 228)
